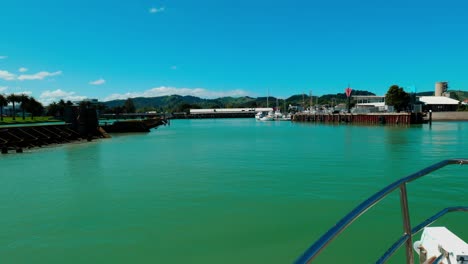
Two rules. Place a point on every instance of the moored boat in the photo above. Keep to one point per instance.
(272, 116)
(259, 115)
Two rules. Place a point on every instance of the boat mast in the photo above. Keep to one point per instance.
(303, 101)
(310, 94)
(268, 95)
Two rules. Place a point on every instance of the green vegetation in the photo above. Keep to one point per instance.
(28, 105)
(57, 109)
(3, 103)
(458, 95)
(38, 119)
(13, 98)
(129, 106)
(397, 97)
(177, 103)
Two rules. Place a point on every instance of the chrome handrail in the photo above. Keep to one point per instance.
(418, 228)
(313, 251)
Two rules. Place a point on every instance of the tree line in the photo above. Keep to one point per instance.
(28, 104)
(395, 96)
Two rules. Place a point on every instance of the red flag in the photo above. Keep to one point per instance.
(348, 92)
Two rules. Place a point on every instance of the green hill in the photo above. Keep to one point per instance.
(178, 103)
(458, 95)
(454, 94)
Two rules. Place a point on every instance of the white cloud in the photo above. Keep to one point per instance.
(3, 57)
(14, 90)
(162, 91)
(154, 10)
(47, 97)
(38, 76)
(7, 76)
(98, 82)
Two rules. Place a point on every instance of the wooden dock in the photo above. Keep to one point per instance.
(370, 119)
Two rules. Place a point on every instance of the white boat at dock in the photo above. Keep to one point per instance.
(272, 116)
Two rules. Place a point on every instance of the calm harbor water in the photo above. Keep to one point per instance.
(227, 190)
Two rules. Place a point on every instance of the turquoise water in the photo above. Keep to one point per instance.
(226, 190)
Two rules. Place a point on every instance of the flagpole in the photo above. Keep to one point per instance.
(348, 94)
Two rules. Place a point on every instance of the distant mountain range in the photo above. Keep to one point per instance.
(178, 103)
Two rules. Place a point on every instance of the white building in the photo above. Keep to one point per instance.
(229, 110)
(439, 103)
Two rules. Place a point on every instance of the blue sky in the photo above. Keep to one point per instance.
(117, 49)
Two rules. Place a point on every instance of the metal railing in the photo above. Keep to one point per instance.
(313, 251)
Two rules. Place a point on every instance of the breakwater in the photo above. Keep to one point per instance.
(371, 119)
(126, 126)
(213, 115)
(18, 138)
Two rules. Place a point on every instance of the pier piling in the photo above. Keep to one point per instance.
(16, 139)
(371, 119)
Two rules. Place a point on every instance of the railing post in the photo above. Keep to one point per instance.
(406, 223)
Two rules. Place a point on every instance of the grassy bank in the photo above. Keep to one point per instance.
(28, 120)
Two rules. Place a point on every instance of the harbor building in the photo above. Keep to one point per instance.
(441, 88)
(221, 113)
(229, 110)
(441, 101)
(370, 103)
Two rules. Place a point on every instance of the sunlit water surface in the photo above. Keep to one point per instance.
(224, 191)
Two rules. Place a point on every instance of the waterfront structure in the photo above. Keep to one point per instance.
(441, 100)
(221, 113)
(295, 108)
(441, 88)
(19, 137)
(372, 103)
(439, 103)
(229, 110)
(356, 118)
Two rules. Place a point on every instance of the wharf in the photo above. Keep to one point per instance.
(19, 137)
(213, 115)
(127, 126)
(16, 138)
(371, 118)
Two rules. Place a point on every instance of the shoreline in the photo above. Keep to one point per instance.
(449, 116)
